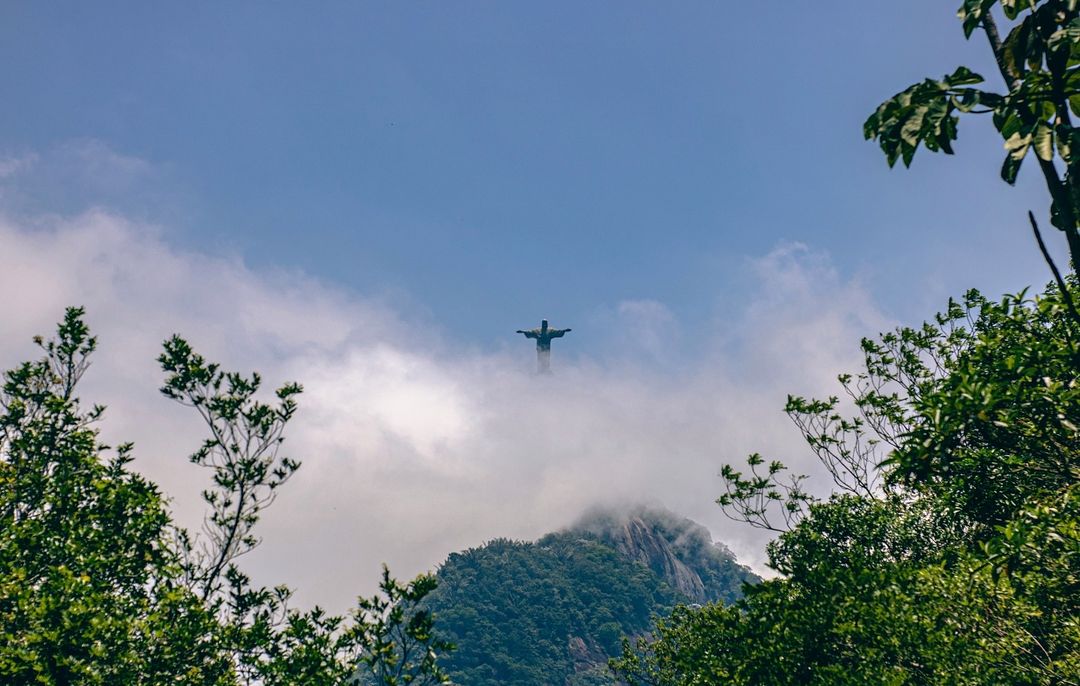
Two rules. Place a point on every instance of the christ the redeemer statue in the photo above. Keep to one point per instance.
(543, 337)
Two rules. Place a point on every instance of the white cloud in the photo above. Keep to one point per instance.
(799, 327)
(76, 174)
(412, 450)
(651, 326)
(10, 165)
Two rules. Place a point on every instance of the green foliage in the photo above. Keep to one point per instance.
(555, 610)
(397, 634)
(97, 586)
(955, 561)
(89, 589)
(751, 498)
(242, 452)
(1039, 60)
(515, 609)
(925, 113)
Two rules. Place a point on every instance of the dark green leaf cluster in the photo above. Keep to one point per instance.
(925, 113)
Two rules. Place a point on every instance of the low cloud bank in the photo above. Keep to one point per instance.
(412, 448)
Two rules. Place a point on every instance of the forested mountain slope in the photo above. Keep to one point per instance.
(554, 610)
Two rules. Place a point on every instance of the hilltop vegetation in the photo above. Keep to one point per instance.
(554, 611)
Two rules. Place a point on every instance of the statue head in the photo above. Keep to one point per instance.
(543, 326)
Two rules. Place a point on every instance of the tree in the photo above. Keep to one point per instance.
(1039, 61)
(949, 552)
(90, 590)
(954, 561)
(389, 638)
(98, 586)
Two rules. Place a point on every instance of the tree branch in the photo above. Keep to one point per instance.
(1059, 193)
(1065, 294)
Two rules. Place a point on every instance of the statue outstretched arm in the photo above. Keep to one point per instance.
(557, 333)
(528, 334)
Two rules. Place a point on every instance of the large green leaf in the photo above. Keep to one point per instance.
(1013, 8)
(1010, 168)
(967, 99)
(1063, 136)
(1023, 45)
(1043, 141)
(1007, 121)
(963, 77)
(971, 13)
(1067, 37)
(1018, 145)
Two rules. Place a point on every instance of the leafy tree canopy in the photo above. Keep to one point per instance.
(98, 586)
(950, 552)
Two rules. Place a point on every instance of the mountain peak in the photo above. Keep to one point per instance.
(554, 611)
(675, 548)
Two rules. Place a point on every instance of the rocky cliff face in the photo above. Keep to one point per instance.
(677, 549)
(637, 541)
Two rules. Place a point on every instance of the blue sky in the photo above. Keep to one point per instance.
(371, 197)
(495, 162)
